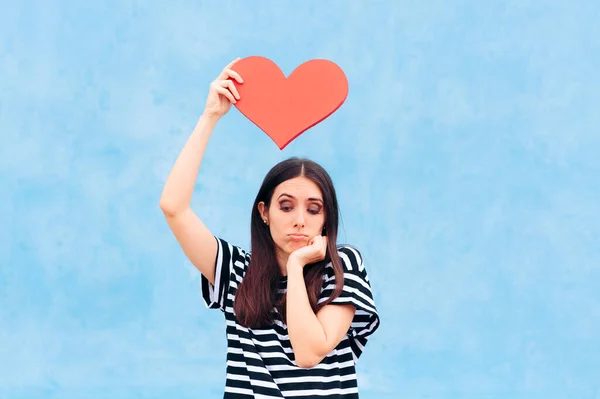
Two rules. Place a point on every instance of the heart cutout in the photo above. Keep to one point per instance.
(284, 108)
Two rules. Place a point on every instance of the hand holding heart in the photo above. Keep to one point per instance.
(222, 92)
(315, 251)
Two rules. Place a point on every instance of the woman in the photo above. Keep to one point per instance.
(298, 311)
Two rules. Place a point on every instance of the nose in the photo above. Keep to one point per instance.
(299, 219)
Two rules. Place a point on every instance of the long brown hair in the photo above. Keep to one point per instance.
(256, 296)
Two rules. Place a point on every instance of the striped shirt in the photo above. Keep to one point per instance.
(260, 362)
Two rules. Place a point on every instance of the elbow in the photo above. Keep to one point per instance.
(168, 208)
(308, 362)
(308, 356)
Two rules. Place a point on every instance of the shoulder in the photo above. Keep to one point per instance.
(230, 253)
(351, 257)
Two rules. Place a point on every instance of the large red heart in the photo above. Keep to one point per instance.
(284, 107)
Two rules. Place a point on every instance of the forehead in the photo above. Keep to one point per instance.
(299, 187)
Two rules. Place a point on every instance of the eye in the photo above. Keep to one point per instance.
(285, 206)
(315, 209)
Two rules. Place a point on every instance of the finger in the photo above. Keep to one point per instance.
(234, 75)
(228, 83)
(318, 243)
(232, 62)
(233, 89)
(226, 93)
(223, 74)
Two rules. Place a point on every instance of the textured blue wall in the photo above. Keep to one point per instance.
(466, 160)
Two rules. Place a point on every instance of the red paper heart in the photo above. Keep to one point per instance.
(284, 108)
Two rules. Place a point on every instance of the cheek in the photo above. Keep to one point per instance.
(277, 233)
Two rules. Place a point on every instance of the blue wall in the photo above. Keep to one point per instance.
(466, 160)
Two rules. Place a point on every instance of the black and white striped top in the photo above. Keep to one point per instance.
(260, 362)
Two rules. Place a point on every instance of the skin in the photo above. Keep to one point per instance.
(297, 208)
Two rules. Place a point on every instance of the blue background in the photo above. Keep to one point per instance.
(465, 158)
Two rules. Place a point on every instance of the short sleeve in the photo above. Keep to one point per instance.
(231, 264)
(356, 291)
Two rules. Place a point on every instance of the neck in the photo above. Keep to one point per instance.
(282, 259)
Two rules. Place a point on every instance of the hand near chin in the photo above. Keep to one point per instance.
(313, 252)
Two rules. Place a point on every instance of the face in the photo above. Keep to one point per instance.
(296, 214)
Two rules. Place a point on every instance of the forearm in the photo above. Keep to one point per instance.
(306, 333)
(179, 187)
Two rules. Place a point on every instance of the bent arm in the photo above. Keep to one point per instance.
(193, 236)
(313, 336)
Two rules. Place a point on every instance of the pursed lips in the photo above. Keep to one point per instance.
(298, 236)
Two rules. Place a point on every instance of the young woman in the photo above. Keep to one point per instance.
(298, 307)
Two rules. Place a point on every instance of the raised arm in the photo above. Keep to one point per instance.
(196, 241)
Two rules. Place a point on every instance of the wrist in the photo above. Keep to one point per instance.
(209, 118)
(294, 264)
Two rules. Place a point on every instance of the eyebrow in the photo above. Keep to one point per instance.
(291, 196)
